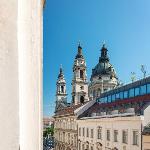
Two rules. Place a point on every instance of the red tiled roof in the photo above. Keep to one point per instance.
(67, 110)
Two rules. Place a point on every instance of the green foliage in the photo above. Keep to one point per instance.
(48, 131)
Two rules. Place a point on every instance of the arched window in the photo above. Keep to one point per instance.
(81, 73)
(62, 89)
(82, 99)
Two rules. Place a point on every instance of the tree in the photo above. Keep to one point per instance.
(48, 131)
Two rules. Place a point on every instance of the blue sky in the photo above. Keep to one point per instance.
(124, 25)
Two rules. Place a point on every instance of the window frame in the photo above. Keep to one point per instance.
(108, 135)
(135, 139)
(116, 137)
(125, 136)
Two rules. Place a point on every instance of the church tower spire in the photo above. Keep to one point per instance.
(104, 57)
(61, 94)
(79, 81)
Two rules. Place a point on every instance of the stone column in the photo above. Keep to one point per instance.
(21, 74)
(30, 73)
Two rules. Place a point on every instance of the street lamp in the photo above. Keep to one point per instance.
(133, 77)
(143, 71)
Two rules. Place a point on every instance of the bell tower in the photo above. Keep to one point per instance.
(79, 81)
(61, 94)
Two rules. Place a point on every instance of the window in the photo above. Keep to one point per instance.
(117, 96)
(69, 138)
(82, 87)
(131, 93)
(92, 133)
(63, 136)
(125, 94)
(105, 99)
(72, 99)
(99, 133)
(137, 91)
(109, 98)
(143, 90)
(124, 136)
(108, 135)
(87, 132)
(121, 95)
(79, 131)
(79, 146)
(82, 99)
(81, 73)
(83, 131)
(113, 97)
(135, 138)
(62, 89)
(148, 88)
(115, 135)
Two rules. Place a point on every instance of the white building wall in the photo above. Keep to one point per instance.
(9, 94)
(119, 123)
(147, 116)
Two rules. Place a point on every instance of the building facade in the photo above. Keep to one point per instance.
(102, 115)
(65, 116)
(113, 133)
(116, 121)
(103, 76)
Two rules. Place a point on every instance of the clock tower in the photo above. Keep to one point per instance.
(79, 81)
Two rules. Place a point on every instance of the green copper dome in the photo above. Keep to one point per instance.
(103, 67)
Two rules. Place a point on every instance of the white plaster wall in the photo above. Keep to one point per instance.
(118, 123)
(9, 100)
(147, 116)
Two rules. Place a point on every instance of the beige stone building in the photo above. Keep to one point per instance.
(66, 130)
(117, 124)
(67, 113)
(103, 115)
(112, 133)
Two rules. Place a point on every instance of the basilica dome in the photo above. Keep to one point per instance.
(103, 67)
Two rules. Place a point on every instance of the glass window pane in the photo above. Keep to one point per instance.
(105, 99)
(113, 97)
(137, 91)
(109, 98)
(121, 95)
(143, 89)
(148, 88)
(117, 96)
(131, 93)
(125, 94)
